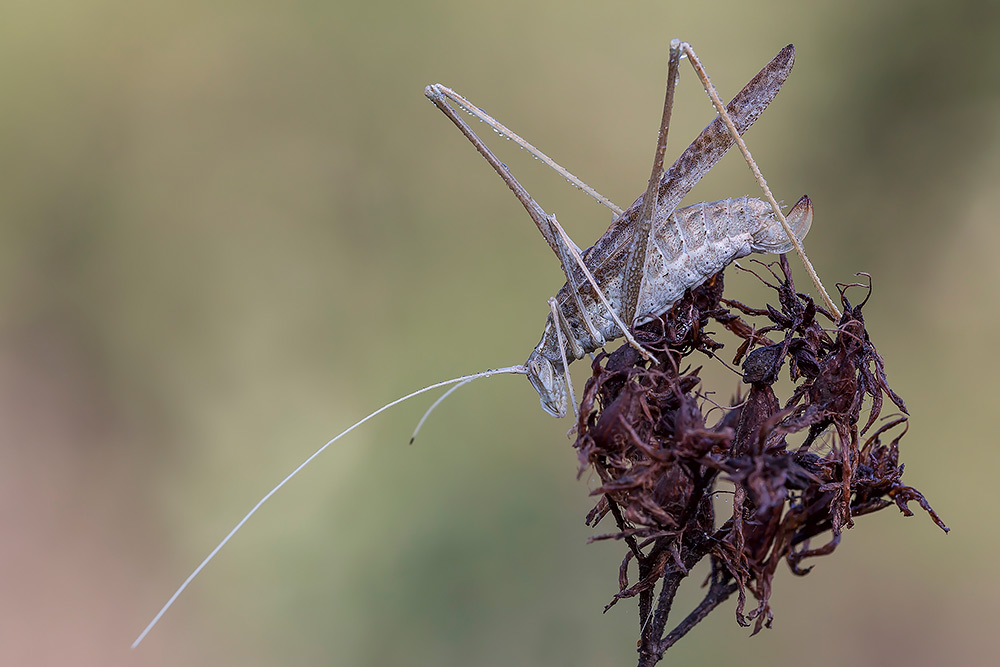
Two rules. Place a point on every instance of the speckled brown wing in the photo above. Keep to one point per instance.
(703, 153)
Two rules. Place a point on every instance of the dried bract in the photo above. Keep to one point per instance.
(648, 432)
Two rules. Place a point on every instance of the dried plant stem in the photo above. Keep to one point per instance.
(649, 651)
(645, 432)
(653, 643)
(717, 594)
(720, 107)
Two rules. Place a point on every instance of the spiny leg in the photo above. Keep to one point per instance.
(568, 253)
(557, 319)
(547, 224)
(715, 141)
(504, 131)
(575, 252)
(635, 265)
(574, 345)
(437, 93)
(720, 108)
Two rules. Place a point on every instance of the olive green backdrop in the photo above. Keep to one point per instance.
(228, 230)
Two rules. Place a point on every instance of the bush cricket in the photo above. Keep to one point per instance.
(651, 253)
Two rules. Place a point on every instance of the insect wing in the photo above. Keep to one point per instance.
(696, 160)
(715, 141)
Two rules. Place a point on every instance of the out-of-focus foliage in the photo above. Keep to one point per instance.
(228, 230)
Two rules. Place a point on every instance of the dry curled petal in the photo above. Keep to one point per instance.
(645, 431)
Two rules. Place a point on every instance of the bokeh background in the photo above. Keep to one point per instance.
(228, 230)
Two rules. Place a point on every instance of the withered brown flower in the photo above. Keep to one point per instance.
(646, 430)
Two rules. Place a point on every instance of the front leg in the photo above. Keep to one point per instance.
(557, 238)
(635, 266)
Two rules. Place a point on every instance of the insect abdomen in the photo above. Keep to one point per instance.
(690, 246)
(693, 244)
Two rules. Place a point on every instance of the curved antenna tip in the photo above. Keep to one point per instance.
(465, 379)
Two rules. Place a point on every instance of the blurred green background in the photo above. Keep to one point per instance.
(228, 230)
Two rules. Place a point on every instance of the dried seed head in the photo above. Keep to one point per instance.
(646, 431)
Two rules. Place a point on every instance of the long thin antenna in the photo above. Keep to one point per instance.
(516, 370)
(439, 401)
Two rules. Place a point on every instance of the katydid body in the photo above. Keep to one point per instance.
(653, 251)
(641, 266)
